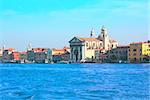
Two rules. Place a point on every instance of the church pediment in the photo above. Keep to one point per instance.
(75, 40)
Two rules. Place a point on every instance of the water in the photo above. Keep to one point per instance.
(74, 81)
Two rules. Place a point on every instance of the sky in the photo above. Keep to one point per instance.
(52, 23)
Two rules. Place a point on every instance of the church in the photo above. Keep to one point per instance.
(83, 49)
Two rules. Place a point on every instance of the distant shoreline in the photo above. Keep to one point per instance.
(71, 63)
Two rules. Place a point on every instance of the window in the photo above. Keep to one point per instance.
(134, 59)
(87, 44)
(140, 59)
(90, 47)
(100, 44)
(120, 52)
(140, 54)
(134, 49)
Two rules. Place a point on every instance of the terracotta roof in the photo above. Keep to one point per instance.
(139, 43)
(16, 52)
(23, 53)
(10, 49)
(123, 47)
(88, 39)
(63, 49)
(59, 51)
(39, 49)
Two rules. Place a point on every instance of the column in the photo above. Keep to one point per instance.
(73, 54)
(83, 52)
(71, 49)
(78, 53)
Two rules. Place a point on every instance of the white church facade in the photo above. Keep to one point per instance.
(83, 49)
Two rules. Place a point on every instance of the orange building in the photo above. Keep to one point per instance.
(60, 51)
(61, 54)
(139, 52)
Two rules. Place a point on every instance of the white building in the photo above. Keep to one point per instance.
(108, 43)
(83, 49)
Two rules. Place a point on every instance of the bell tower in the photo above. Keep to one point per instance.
(29, 47)
(3, 48)
(105, 38)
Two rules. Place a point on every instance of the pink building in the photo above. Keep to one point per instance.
(15, 56)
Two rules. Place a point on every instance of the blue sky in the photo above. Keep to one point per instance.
(52, 23)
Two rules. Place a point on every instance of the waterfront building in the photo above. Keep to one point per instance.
(1, 52)
(30, 56)
(61, 54)
(57, 58)
(65, 56)
(119, 54)
(6, 58)
(139, 52)
(83, 49)
(15, 57)
(23, 57)
(60, 51)
(42, 55)
(100, 55)
(61, 57)
(39, 55)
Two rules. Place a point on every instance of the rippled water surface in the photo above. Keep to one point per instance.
(74, 81)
